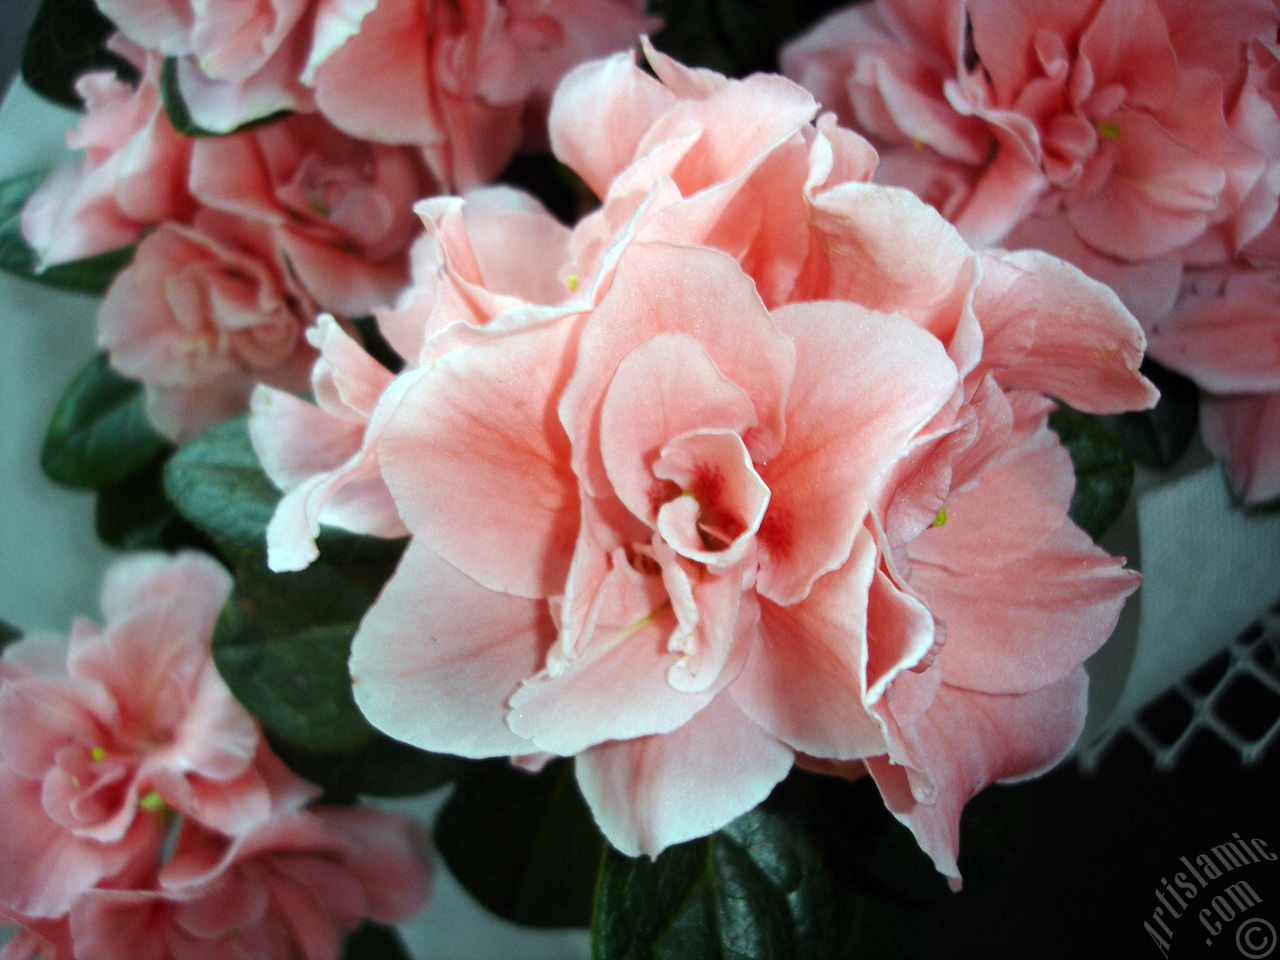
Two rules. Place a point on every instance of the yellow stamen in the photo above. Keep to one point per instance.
(152, 802)
(1108, 130)
(940, 519)
(98, 754)
(573, 282)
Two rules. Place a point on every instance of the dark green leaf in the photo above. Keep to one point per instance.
(881, 857)
(175, 107)
(67, 38)
(1157, 438)
(1104, 470)
(99, 433)
(92, 275)
(758, 889)
(15, 255)
(524, 845)
(282, 645)
(215, 482)
(373, 941)
(8, 634)
(134, 514)
(380, 768)
(298, 685)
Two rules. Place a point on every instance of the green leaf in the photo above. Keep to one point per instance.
(99, 433)
(282, 644)
(380, 768)
(880, 856)
(215, 481)
(134, 514)
(175, 107)
(298, 686)
(1104, 470)
(1158, 437)
(373, 941)
(758, 889)
(8, 634)
(524, 845)
(67, 38)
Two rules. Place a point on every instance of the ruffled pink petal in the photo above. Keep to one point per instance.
(823, 640)
(666, 289)
(1050, 328)
(1229, 342)
(663, 389)
(652, 792)
(1246, 432)
(865, 383)
(478, 466)
(599, 114)
(446, 689)
(967, 741)
(615, 685)
(1060, 594)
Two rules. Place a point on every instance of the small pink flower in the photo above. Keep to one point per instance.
(726, 504)
(340, 210)
(1114, 117)
(237, 61)
(104, 733)
(292, 887)
(202, 314)
(465, 82)
(132, 175)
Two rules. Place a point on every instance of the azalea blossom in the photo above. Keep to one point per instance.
(741, 494)
(1138, 139)
(467, 83)
(132, 173)
(146, 814)
(1114, 118)
(102, 733)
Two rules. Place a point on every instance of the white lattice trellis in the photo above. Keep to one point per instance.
(1252, 669)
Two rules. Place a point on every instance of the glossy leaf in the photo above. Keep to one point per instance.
(373, 941)
(99, 433)
(1104, 470)
(134, 513)
(759, 888)
(175, 107)
(382, 767)
(282, 644)
(68, 38)
(524, 845)
(215, 481)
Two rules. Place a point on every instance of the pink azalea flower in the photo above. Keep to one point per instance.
(1113, 116)
(132, 175)
(238, 62)
(106, 733)
(340, 210)
(467, 82)
(292, 887)
(202, 314)
(754, 455)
